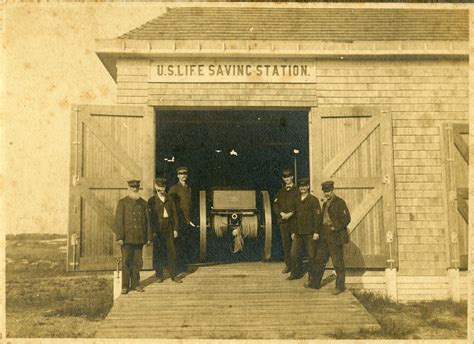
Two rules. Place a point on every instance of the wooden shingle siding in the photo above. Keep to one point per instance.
(227, 94)
(132, 81)
(421, 95)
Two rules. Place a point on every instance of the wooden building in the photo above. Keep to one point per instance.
(385, 93)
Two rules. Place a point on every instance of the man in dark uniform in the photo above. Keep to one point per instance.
(308, 219)
(164, 224)
(334, 234)
(132, 231)
(284, 207)
(181, 194)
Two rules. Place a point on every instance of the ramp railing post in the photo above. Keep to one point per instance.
(117, 279)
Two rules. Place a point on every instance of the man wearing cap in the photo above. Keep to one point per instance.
(164, 224)
(284, 207)
(308, 223)
(181, 194)
(132, 231)
(334, 234)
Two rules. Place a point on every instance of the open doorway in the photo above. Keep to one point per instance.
(233, 149)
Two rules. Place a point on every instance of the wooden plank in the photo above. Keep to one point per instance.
(420, 217)
(415, 139)
(401, 280)
(459, 142)
(113, 147)
(439, 115)
(363, 208)
(420, 232)
(419, 193)
(348, 111)
(188, 311)
(416, 146)
(422, 248)
(331, 168)
(417, 155)
(416, 162)
(420, 224)
(419, 201)
(414, 240)
(417, 186)
(408, 270)
(418, 178)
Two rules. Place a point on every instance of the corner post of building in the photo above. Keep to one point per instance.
(391, 272)
(470, 289)
(391, 284)
(453, 281)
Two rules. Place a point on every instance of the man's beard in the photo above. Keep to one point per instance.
(134, 195)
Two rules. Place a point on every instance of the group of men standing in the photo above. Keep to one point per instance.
(166, 221)
(322, 232)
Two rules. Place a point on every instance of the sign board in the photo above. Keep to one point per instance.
(235, 70)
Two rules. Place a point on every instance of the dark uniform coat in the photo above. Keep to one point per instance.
(286, 201)
(132, 226)
(131, 221)
(339, 216)
(155, 211)
(308, 216)
(182, 196)
(336, 217)
(163, 228)
(186, 243)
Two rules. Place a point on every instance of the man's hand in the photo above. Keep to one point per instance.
(292, 236)
(333, 228)
(120, 242)
(192, 224)
(315, 236)
(283, 215)
(175, 234)
(148, 243)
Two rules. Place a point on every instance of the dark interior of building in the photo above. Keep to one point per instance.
(232, 149)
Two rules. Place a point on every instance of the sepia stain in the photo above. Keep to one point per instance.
(104, 90)
(87, 95)
(27, 65)
(64, 103)
(51, 87)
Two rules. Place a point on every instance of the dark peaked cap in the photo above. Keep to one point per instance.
(134, 183)
(327, 185)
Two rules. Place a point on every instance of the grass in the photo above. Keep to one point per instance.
(417, 320)
(42, 299)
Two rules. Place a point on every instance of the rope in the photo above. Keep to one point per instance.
(219, 224)
(249, 226)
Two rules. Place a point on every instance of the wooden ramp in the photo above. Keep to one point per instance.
(234, 301)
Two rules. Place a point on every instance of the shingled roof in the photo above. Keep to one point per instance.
(305, 24)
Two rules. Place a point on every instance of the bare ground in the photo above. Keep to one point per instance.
(45, 301)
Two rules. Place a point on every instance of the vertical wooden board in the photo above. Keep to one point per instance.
(456, 178)
(112, 150)
(352, 152)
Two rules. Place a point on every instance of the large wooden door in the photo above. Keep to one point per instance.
(353, 147)
(456, 156)
(109, 145)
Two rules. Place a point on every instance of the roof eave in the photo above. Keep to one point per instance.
(109, 50)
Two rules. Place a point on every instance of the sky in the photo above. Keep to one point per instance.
(48, 63)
